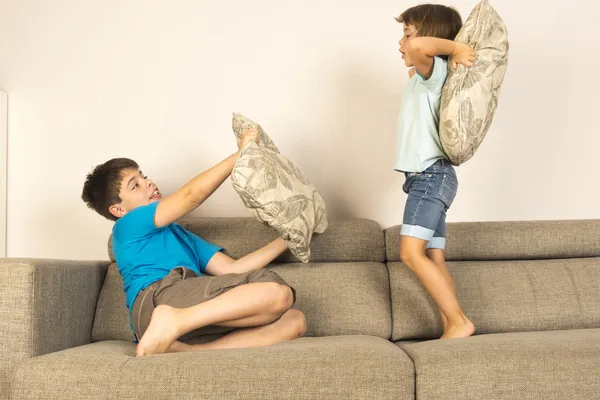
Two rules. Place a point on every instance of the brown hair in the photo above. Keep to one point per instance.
(102, 186)
(433, 20)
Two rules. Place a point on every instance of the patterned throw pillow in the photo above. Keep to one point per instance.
(470, 95)
(276, 192)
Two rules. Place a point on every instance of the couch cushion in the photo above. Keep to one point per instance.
(345, 240)
(521, 240)
(349, 367)
(111, 321)
(503, 296)
(533, 365)
(336, 298)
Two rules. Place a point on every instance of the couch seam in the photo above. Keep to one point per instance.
(97, 299)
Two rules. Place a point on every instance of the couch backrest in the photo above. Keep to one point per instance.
(523, 240)
(529, 276)
(349, 298)
(344, 240)
(344, 290)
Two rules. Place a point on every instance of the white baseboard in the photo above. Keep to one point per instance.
(3, 170)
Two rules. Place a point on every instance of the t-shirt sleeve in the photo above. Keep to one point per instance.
(136, 224)
(436, 81)
(206, 251)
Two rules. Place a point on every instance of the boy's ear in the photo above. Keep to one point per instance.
(117, 210)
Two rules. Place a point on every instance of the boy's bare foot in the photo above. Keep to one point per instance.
(161, 333)
(180, 347)
(462, 330)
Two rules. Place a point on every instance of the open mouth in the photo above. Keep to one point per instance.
(155, 194)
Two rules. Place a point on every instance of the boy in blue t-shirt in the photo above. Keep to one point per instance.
(179, 288)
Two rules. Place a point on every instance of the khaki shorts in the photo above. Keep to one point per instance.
(183, 288)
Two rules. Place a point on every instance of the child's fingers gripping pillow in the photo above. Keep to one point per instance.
(470, 94)
(239, 123)
(279, 195)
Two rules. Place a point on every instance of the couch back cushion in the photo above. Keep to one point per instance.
(503, 296)
(344, 240)
(524, 240)
(349, 298)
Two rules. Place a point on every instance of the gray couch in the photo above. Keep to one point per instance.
(532, 289)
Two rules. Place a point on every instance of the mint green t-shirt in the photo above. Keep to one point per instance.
(417, 136)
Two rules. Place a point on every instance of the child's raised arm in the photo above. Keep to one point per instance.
(196, 191)
(422, 50)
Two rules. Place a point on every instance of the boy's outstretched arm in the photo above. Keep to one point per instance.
(221, 264)
(196, 191)
(422, 50)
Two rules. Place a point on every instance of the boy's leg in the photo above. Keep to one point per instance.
(435, 252)
(413, 255)
(179, 304)
(291, 325)
(429, 195)
(438, 258)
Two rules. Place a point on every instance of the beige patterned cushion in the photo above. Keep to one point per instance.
(470, 95)
(277, 193)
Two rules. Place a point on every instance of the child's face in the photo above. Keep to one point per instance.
(409, 32)
(136, 191)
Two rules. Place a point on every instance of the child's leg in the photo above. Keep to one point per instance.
(183, 302)
(242, 302)
(413, 255)
(435, 252)
(438, 258)
(291, 325)
(430, 194)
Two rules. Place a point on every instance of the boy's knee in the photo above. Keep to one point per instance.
(411, 250)
(282, 297)
(297, 322)
(407, 255)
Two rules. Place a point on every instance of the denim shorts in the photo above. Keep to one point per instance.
(430, 195)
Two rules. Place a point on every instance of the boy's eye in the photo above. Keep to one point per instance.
(135, 186)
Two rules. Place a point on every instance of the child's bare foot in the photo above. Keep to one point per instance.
(179, 347)
(161, 333)
(462, 330)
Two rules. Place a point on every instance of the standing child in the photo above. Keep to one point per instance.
(431, 181)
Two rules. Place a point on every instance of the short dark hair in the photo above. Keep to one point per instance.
(102, 186)
(433, 20)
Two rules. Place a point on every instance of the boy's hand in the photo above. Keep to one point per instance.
(463, 54)
(247, 135)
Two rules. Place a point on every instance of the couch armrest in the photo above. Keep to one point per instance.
(45, 306)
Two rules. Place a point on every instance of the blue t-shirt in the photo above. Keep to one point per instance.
(146, 254)
(417, 136)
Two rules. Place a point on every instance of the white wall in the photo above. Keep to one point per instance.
(157, 81)
(3, 166)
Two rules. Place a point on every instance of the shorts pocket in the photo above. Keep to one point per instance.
(221, 283)
(448, 189)
(418, 180)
